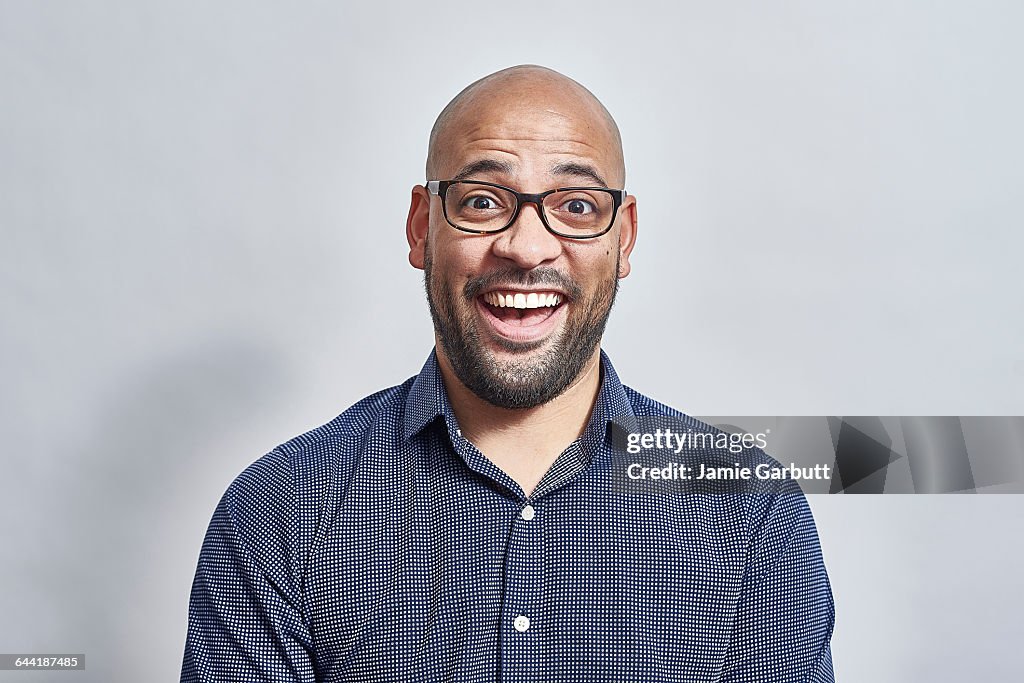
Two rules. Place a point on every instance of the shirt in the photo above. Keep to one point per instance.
(383, 546)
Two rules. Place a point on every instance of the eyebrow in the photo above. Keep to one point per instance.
(484, 166)
(567, 168)
(573, 168)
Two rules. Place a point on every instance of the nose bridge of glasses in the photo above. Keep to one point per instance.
(538, 207)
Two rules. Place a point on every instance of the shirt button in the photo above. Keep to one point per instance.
(528, 513)
(522, 623)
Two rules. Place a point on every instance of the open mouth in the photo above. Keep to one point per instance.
(522, 315)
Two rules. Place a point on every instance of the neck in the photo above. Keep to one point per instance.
(524, 442)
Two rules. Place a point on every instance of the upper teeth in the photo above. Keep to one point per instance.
(520, 300)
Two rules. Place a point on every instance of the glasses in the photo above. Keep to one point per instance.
(481, 208)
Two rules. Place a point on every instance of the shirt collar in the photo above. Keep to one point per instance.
(428, 399)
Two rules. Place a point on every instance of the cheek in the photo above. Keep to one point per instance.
(592, 261)
(459, 259)
(451, 272)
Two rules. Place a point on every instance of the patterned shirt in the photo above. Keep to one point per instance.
(383, 546)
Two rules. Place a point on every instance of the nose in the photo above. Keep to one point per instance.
(527, 243)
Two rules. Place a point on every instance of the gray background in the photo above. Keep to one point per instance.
(202, 209)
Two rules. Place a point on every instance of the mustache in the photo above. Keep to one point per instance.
(517, 276)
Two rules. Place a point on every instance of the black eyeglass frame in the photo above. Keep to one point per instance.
(440, 188)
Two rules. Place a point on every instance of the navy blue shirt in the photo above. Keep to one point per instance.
(383, 546)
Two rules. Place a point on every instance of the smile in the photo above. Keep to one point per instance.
(521, 316)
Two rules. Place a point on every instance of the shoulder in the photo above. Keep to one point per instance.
(720, 441)
(720, 446)
(298, 472)
(274, 506)
(381, 410)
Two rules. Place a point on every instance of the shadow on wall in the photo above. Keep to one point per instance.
(122, 523)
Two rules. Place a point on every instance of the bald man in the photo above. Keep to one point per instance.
(473, 524)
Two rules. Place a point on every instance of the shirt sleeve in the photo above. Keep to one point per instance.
(245, 621)
(786, 613)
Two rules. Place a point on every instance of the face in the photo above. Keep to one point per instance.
(519, 314)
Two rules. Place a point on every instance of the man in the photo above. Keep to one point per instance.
(471, 523)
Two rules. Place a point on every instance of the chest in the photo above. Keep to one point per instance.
(428, 574)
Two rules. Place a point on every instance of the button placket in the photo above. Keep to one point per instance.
(521, 627)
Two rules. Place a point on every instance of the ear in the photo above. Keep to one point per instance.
(627, 233)
(417, 224)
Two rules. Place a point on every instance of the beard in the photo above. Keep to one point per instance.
(535, 378)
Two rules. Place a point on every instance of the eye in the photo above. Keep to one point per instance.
(578, 206)
(480, 203)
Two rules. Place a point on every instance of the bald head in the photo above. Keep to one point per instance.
(521, 91)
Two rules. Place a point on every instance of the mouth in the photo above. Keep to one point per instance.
(522, 315)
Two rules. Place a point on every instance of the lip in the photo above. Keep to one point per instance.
(518, 333)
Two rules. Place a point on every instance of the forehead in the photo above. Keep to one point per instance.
(530, 131)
